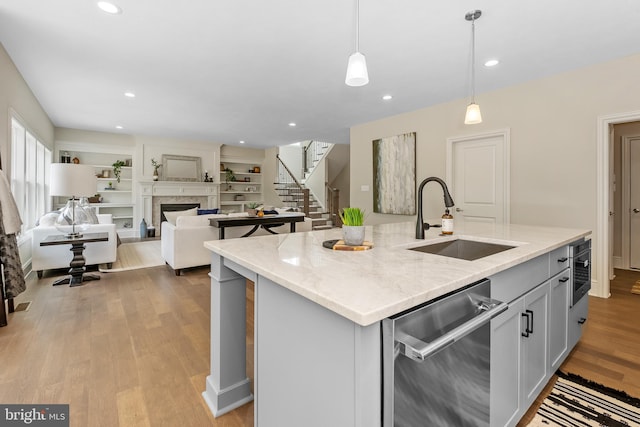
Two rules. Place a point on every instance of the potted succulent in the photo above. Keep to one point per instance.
(252, 208)
(352, 226)
(117, 169)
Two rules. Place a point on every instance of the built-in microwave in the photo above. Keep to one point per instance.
(580, 262)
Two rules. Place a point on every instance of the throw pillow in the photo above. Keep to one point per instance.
(91, 213)
(172, 215)
(48, 219)
(206, 211)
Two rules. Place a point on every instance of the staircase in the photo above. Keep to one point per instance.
(293, 196)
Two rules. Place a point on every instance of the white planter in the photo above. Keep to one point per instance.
(353, 235)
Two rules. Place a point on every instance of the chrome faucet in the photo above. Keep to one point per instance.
(448, 202)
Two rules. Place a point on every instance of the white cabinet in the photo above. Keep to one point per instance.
(240, 187)
(558, 318)
(506, 362)
(518, 356)
(531, 339)
(577, 318)
(116, 197)
(535, 361)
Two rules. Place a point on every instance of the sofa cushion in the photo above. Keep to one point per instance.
(196, 220)
(172, 215)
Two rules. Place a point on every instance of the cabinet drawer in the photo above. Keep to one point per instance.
(558, 260)
(512, 283)
(577, 317)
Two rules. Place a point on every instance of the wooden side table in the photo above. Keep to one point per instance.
(77, 276)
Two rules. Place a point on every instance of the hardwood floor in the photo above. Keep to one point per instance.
(133, 348)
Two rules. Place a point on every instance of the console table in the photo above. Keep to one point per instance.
(77, 276)
(257, 221)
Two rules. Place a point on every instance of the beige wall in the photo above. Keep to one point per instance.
(16, 95)
(553, 142)
(553, 124)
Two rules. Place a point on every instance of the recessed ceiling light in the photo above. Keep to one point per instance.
(111, 8)
(491, 63)
(118, 127)
(292, 124)
(387, 97)
(241, 142)
(130, 94)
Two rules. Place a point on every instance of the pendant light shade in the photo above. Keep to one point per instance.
(357, 74)
(473, 115)
(357, 70)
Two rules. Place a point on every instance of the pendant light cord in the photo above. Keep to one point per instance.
(357, 25)
(473, 60)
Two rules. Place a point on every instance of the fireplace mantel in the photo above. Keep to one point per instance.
(178, 191)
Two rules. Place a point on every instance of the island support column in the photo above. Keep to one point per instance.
(227, 387)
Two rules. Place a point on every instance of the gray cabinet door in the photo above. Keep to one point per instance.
(577, 318)
(534, 346)
(506, 365)
(558, 318)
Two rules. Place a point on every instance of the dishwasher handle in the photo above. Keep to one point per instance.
(418, 350)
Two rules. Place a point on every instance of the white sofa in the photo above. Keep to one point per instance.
(183, 243)
(53, 257)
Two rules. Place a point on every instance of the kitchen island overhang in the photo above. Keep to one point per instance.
(354, 290)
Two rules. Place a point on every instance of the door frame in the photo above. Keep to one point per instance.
(505, 134)
(600, 285)
(626, 200)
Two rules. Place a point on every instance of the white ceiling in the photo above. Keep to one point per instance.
(225, 71)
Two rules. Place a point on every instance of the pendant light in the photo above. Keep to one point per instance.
(473, 115)
(357, 74)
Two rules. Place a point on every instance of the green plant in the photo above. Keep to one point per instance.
(117, 169)
(229, 176)
(352, 216)
(253, 205)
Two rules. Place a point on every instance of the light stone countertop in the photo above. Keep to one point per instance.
(368, 286)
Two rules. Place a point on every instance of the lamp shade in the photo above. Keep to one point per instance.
(357, 74)
(69, 179)
(473, 115)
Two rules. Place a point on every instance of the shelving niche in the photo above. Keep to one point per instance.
(250, 191)
(117, 202)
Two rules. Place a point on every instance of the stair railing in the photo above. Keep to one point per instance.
(289, 181)
(333, 200)
(313, 152)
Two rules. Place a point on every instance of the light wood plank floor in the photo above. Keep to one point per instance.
(133, 348)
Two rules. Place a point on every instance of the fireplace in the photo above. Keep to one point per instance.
(172, 207)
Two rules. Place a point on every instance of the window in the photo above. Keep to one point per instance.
(30, 161)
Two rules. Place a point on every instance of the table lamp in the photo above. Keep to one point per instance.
(74, 181)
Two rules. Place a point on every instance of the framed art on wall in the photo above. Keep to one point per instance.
(394, 174)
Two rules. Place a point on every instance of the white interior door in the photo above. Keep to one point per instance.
(478, 174)
(634, 203)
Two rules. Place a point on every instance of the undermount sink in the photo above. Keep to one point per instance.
(463, 249)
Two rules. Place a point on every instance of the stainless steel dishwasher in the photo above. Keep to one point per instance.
(436, 361)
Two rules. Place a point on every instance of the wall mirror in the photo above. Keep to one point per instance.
(180, 168)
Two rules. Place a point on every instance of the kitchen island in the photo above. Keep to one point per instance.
(318, 313)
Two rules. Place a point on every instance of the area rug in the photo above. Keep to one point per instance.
(575, 401)
(635, 289)
(132, 256)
